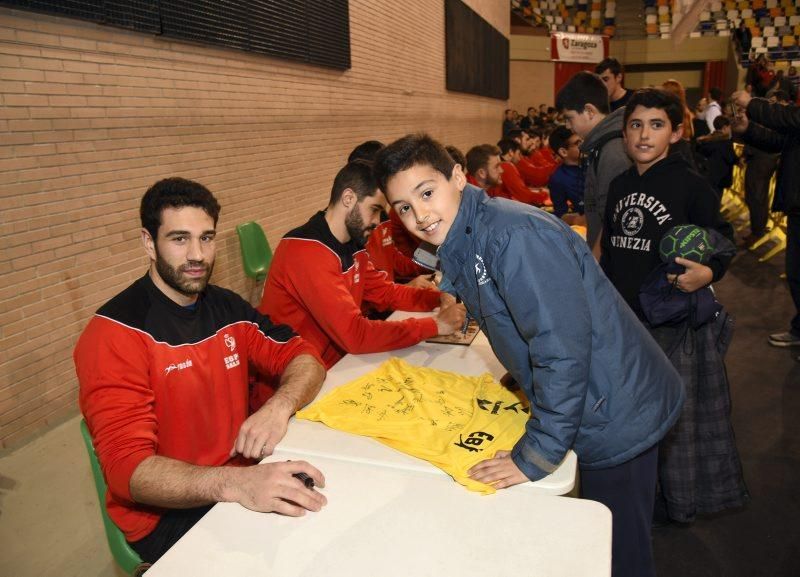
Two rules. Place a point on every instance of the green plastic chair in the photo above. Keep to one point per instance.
(256, 252)
(125, 557)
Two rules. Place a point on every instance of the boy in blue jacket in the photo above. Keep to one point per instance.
(596, 380)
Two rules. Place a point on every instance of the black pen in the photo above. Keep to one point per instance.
(466, 325)
(306, 480)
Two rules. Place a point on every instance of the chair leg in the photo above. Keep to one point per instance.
(257, 291)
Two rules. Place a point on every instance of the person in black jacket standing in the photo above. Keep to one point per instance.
(776, 128)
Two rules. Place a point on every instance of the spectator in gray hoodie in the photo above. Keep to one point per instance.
(583, 101)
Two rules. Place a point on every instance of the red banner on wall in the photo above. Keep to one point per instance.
(571, 47)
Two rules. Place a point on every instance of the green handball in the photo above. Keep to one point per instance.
(686, 241)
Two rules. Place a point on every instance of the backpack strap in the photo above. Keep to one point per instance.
(593, 156)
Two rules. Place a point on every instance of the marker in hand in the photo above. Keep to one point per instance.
(307, 481)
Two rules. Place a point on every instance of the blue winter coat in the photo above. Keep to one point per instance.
(596, 379)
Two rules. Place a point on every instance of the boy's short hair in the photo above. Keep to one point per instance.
(721, 122)
(582, 89)
(610, 64)
(456, 155)
(358, 177)
(175, 192)
(560, 138)
(365, 151)
(656, 98)
(715, 92)
(507, 145)
(478, 157)
(412, 150)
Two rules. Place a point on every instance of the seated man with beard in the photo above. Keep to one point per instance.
(321, 274)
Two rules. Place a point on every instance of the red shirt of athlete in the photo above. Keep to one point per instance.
(516, 189)
(387, 258)
(317, 284)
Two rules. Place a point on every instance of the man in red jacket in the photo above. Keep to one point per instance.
(321, 274)
(514, 187)
(163, 373)
(484, 169)
(534, 175)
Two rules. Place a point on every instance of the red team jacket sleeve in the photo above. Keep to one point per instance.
(391, 296)
(534, 175)
(324, 294)
(272, 347)
(116, 398)
(404, 267)
(513, 183)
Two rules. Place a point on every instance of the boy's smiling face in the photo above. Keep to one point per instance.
(426, 201)
(648, 134)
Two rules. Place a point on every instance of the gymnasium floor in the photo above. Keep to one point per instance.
(50, 526)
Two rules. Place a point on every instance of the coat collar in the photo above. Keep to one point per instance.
(461, 237)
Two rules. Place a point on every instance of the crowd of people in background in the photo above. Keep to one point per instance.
(618, 166)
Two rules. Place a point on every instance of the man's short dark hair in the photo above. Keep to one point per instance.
(516, 133)
(175, 192)
(358, 177)
(535, 132)
(582, 89)
(478, 157)
(531, 108)
(365, 151)
(610, 64)
(507, 145)
(715, 92)
(721, 122)
(781, 95)
(560, 138)
(456, 155)
(412, 150)
(656, 98)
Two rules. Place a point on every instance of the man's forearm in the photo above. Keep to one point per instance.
(169, 483)
(300, 383)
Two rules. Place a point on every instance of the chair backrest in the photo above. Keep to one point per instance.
(256, 252)
(125, 557)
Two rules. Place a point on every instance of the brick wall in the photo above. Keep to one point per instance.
(90, 116)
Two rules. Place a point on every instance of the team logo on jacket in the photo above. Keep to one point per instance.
(480, 271)
(632, 221)
(232, 361)
(178, 366)
(230, 342)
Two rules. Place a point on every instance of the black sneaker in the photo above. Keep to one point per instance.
(784, 340)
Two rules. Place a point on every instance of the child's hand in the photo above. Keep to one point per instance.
(696, 276)
(500, 472)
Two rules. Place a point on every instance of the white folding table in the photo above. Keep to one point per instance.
(382, 522)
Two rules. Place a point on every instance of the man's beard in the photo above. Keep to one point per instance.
(356, 229)
(174, 278)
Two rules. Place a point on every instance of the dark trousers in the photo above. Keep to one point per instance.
(793, 266)
(760, 167)
(628, 490)
(173, 525)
